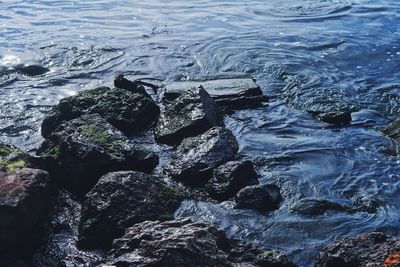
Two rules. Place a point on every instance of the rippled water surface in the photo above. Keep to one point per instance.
(305, 54)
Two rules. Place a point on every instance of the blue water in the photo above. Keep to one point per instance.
(305, 54)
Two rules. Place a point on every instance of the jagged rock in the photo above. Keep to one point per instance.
(189, 115)
(187, 243)
(393, 131)
(315, 206)
(60, 245)
(121, 199)
(227, 93)
(335, 117)
(24, 195)
(135, 87)
(230, 177)
(83, 149)
(372, 250)
(195, 158)
(127, 111)
(262, 198)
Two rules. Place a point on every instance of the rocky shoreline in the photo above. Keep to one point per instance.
(91, 197)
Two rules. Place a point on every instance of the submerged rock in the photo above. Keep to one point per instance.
(186, 243)
(60, 245)
(393, 131)
(195, 158)
(31, 70)
(314, 206)
(23, 202)
(262, 198)
(229, 93)
(83, 149)
(127, 111)
(372, 250)
(121, 199)
(230, 177)
(189, 115)
(335, 117)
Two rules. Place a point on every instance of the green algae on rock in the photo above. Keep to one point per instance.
(11, 158)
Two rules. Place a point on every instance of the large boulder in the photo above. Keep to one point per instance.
(127, 111)
(24, 196)
(393, 131)
(195, 158)
(187, 243)
(230, 177)
(60, 243)
(121, 199)
(263, 198)
(189, 115)
(83, 149)
(372, 250)
(234, 93)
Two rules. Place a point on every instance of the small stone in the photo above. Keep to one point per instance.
(262, 198)
(315, 206)
(335, 117)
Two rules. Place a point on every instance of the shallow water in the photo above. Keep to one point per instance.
(305, 54)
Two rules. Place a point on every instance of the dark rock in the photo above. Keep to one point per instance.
(83, 149)
(189, 115)
(393, 131)
(31, 70)
(372, 250)
(11, 158)
(314, 206)
(133, 86)
(23, 202)
(186, 243)
(230, 177)
(121, 199)
(227, 93)
(195, 158)
(335, 117)
(60, 245)
(127, 111)
(262, 198)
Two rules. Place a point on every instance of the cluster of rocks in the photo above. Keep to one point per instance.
(90, 196)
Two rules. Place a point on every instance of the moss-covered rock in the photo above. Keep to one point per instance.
(11, 158)
(121, 199)
(81, 150)
(127, 111)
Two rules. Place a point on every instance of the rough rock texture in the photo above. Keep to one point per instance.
(335, 117)
(230, 93)
(60, 245)
(121, 199)
(262, 198)
(135, 87)
(23, 201)
(195, 158)
(186, 243)
(127, 111)
(230, 177)
(11, 158)
(366, 250)
(189, 115)
(315, 206)
(393, 131)
(85, 148)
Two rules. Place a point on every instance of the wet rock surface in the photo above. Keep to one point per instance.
(127, 111)
(372, 250)
(121, 199)
(23, 203)
(31, 70)
(230, 177)
(189, 115)
(186, 243)
(83, 149)
(262, 198)
(133, 86)
(335, 117)
(195, 158)
(228, 93)
(393, 131)
(60, 244)
(315, 206)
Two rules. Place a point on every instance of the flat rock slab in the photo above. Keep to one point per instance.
(366, 250)
(231, 93)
